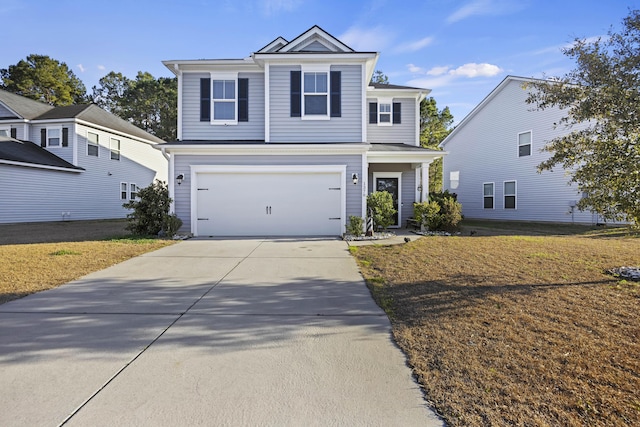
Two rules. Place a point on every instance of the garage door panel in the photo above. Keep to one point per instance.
(269, 204)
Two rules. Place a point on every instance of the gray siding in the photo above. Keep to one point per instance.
(183, 162)
(194, 129)
(42, 195)
(485, 149)
(5, 112)
(405, 132)
(347, 128)
(60, 151)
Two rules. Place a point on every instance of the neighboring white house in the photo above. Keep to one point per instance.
(70, 163)
(493, 157)
(290, 140)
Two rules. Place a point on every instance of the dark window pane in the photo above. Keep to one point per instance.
(488, 202)
(524, 150)
(224, 111)
(315, 104)
(92, 150)
(509, 202)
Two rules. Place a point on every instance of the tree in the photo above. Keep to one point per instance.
(435, 125)
(150, 216)
(380, 77)
(145, 102)
(602, 95)
(44, 79)
(381, 205)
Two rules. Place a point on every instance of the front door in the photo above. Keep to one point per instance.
(390, 182)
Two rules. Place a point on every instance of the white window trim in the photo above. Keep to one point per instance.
(385, 101)
(315, 68)
(119, 150)
(97, 144)
(126, 191)
(133, 186)
(50, 128)
(522, 145)
(398, 175)
(224, 76)
(504, 195)
(493, 195)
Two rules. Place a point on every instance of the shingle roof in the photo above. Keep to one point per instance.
(93, 114)
(401, 148)
(26, 108)
(390, 86)
(14, 150)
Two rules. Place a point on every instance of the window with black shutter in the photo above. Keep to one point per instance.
(14, 133)
(65, 137)
(243, 100)
(205, 100)
(43, 137)
(397, 113)
(373, 112)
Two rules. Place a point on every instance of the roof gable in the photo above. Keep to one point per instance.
(27, 153)
(274, 45)
(22, 107)
(315, 39)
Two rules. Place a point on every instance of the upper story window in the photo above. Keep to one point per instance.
(224, 99)
(524, 144)
(92, 144)
(55, 136)
(316, 93)
(385, 112)
(114, 146)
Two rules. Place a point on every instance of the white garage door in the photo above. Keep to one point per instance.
(269, 204)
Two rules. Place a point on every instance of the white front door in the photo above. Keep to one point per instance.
(269, 203)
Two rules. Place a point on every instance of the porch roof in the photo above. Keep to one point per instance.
(402, 153)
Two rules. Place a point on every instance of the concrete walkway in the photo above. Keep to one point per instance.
(208, 332)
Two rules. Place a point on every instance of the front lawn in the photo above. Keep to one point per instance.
(516, 328)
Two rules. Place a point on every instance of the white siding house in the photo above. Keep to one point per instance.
(493, 158)
(291, 140)
(70, 163)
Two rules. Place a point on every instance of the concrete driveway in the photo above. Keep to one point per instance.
(208, 332)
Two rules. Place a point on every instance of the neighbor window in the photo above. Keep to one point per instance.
(509, 194)
(316, 93)
(524, 144)
(384, 113)
(454, 179)
(54, 137)
(115, 149)
(133, 191)
(224, 100)
(488, 195)
(123, 191)
(5, 132)
(92, 144)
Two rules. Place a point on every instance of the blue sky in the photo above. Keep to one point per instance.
(461, 49)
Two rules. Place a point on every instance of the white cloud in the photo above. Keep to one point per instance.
(485, 8)
(438, 71)
(81, 68)
(271, 7)
(367, 39)
(101, 67)
(472, 70)
(415, 46)
(415, 69)
(432, 82)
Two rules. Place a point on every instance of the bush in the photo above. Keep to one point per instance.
(381, 205)
(150, 213)
(442, 212)
(355, 226)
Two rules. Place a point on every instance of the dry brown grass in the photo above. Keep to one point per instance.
(35, 267)
(521, 330)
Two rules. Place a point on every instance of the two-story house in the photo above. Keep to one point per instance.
(75, 162)
(291, 140)
(493, 156)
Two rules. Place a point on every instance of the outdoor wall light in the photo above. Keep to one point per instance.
(420, 188)
(354, 177)
(179, 179)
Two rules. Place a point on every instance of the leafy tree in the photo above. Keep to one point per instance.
(435, 125)
(381, 205)
(150, 216)
(602, 94)
(147, 102)
(380, 77)
(44, 79)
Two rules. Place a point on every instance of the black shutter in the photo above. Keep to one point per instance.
(205, 100)
(14, 133)
(243, 100)
(65, 137)
(396, 113)
(336, 94)
(373, 112)
(296, 93)
(43, 137)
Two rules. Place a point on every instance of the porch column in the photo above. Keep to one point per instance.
(423, 186)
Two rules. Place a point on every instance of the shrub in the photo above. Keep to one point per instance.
(442, 212)
(355, 225)
(150, 213)
(381, 205)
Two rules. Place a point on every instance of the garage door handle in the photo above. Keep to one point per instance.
(203, 219)
(268, 210)
(334, 218)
